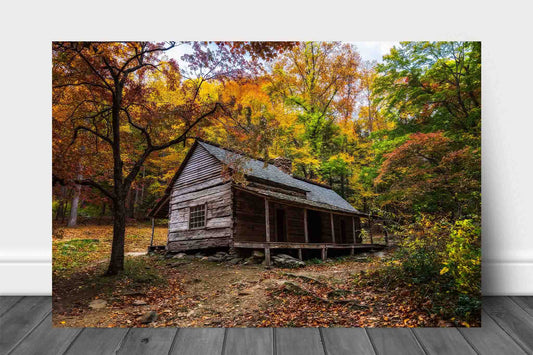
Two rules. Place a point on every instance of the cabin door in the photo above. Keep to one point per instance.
(281, 225)
(314, 226)
(343, 238)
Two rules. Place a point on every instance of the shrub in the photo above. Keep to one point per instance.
(464, 257)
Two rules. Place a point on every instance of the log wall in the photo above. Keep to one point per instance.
(200, 182)
(249, 223)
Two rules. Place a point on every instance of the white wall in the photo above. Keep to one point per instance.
(27, 31)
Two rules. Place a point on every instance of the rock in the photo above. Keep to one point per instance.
(284, 256)
(189, 257)
(380, 254)
(199, 255)
(252, 260)
(180, 263)
(149, 317)
(139, 303)
(98, 304)
(235, 261)
(214, 258)
(284, 260)
(179, 256)
(258, 254)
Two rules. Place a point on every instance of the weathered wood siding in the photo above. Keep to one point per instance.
(348, 238)
(325, 237)
(200, 182)
(249, 223)
(201, 170)
(294, 223)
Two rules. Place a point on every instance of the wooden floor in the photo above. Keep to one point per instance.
(26, 328)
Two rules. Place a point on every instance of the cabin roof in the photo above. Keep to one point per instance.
(317, 193)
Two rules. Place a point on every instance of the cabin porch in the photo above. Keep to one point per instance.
(268, 221)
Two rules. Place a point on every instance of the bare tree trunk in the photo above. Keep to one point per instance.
(142, 185)
(135, 203)
(116, 264)
(60, 213)
(73, 219)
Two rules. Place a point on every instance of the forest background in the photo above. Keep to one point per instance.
(400, 139)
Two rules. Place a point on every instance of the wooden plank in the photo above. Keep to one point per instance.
(97, 341)
(267, 256)
(198, 234)
(148, 341)
(244, 341)
(205, 341)
(398, 341)
(324, 253)
(267, 221)
(353, 230)
(22, 317)
(525, 302)
(306, 232)
(490, 339)
(213, 192)
(199, 165)
(55, 340)
(198, 185)
(221, 222)
(298, 341)
(443, 341)
(514, 320)
(347, 341)
(6, 302)
(287, 245)
(197, 244)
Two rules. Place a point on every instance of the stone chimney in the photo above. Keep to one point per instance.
(283, 164)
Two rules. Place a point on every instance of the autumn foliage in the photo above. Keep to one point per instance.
(400, 140)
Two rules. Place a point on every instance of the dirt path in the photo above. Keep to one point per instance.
(198, 294)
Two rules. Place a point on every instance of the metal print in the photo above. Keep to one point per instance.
(266, 184)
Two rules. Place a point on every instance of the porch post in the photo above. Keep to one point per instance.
(353, 228)
(306, 233)
(267, 234)
(267, 222)
(152, 238)
(332, 228)
(324, 253)
(300, 254)
(267, 256)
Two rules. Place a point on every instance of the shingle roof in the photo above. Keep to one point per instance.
(259, 169)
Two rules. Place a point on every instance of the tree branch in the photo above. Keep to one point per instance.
(83, 128)
(140, 128)
(88, 182)
(152, 148)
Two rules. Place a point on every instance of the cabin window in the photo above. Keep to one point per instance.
(197, 217)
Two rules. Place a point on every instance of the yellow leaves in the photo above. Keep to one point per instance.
(444, 270)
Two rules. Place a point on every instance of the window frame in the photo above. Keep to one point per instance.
(204, 205)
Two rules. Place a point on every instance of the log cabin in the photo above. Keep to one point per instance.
(268, 209)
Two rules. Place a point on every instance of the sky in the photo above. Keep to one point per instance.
(374, 50)
(368, 50)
